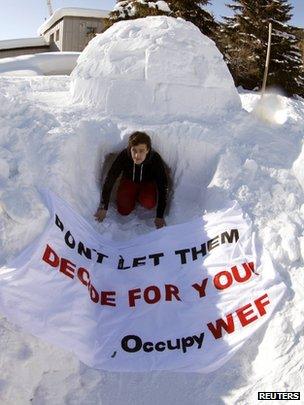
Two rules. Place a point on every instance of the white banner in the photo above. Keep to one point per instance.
(182, 298)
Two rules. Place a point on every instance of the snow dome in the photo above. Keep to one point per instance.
(159, 68)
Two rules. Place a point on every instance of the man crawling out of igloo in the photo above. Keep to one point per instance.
(143, 180)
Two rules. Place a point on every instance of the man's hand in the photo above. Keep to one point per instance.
(100, 214)
(159, 222)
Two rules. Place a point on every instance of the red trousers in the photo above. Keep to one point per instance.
(129, 192)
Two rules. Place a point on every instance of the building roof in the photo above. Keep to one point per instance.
(71, 12)
(23, 43)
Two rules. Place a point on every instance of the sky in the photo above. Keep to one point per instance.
(21, 18)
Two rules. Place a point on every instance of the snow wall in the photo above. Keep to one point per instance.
(154, 69)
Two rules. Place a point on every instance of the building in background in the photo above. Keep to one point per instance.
(23, 46)
(68, 29)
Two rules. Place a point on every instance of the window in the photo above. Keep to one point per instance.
(91, 31)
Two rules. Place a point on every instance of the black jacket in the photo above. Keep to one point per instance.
(152, 169)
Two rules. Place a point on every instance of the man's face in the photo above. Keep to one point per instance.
(139, 153)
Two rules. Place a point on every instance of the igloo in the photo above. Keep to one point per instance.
(154, 69)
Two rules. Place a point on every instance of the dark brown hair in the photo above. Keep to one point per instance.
(139, 137)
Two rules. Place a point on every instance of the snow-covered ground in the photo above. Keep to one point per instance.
(39, 64)
(46, 139)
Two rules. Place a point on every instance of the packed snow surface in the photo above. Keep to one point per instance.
(48, 140)
(161, 66)
(45, 63)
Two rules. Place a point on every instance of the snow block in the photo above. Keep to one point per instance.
(155, 69)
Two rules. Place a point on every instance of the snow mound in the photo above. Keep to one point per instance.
(40, 64)
(154, 69)
(46, 141)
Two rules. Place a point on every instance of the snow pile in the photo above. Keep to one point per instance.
(154, 69)
(47, 140)
(48, 63)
